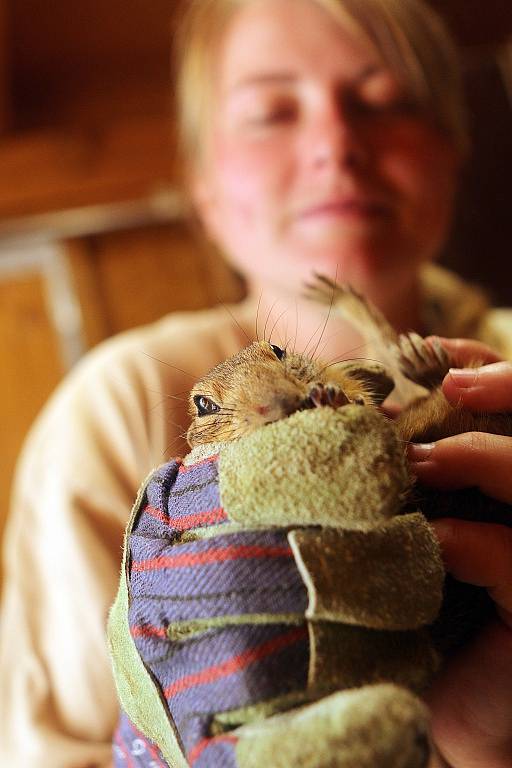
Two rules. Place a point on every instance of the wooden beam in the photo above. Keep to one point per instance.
(161, 207)
(48, 171)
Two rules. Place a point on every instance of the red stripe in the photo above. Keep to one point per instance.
(154, 512)
(139, 630)
(198, 750)
(187, 468)
(236, 663)
(211, 556)
(190, 521)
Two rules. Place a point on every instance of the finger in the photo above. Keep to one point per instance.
(488, 388)
(465, 352)
(471, 459)
(480, 554)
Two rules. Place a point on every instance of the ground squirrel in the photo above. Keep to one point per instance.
(263, 382)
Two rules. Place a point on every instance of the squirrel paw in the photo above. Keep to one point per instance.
(424, 362)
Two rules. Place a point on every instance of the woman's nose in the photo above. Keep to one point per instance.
(337, 140)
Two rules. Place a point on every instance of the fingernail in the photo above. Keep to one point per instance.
(420, 451)
(464, 378)
(443, 529)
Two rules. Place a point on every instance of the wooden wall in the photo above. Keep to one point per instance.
(87, 62)
(31, 365)
(119, 280)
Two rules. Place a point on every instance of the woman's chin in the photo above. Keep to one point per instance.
(358, 264)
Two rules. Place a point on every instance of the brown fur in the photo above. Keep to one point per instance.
(255, 387)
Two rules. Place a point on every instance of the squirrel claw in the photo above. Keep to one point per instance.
(331, 396)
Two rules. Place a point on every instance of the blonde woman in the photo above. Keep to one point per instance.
(320, 135)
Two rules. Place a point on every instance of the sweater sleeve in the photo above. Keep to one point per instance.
(496, 330)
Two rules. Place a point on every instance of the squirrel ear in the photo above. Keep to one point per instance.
(373, 375)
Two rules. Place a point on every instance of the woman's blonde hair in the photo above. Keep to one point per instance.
(407, 34)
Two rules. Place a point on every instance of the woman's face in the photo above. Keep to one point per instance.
(316, 161)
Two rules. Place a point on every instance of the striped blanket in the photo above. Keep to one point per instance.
(216, 614)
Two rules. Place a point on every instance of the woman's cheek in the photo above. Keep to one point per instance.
(262, 153)
(416, 155)
(252, 178)
(422, 177)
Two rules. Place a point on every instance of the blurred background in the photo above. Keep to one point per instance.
(92, 235)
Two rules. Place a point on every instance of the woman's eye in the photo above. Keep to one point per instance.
(282, 115)
(205, 406)
(274, 115)
(401, 106)
(382, 104)
(278, 352)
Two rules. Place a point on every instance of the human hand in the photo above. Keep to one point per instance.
(471, 700)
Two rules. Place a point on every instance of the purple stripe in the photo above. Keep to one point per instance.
(277, 674)
(174, 496)
(285, 596)
(198, 580)
(217, 754)
(139, 752)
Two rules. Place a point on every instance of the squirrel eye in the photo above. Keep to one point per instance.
(278, 352)
(205, 406)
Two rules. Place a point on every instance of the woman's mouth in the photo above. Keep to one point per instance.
(350, 208)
